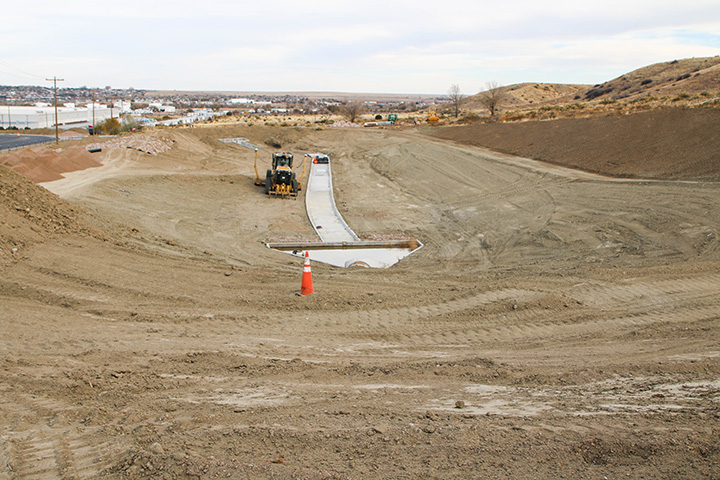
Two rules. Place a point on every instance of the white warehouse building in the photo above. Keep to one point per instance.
(43, 115)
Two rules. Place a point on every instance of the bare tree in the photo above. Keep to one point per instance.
(492, 97)
(456, 98)
(352, 110)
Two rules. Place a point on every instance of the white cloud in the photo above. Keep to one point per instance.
(408, 46)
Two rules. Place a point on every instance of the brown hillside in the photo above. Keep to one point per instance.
(692, 76)
(689, 76)
(667, 144)
(524, 95)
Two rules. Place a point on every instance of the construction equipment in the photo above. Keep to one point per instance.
(258, 182)
(432, 116)
(244, 142)
(280, 180)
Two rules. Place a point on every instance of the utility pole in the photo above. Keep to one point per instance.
(55, 80)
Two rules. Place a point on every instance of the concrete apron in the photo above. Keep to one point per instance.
(339, 245)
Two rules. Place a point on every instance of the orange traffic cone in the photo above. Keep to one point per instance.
(307, 286)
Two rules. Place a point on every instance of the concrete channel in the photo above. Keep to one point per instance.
(339, 245)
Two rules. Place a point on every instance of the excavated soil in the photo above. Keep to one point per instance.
(674, 143)
(556, 324)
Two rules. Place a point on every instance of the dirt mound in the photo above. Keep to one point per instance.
(662, 144)
(48, 163)
(31, 214)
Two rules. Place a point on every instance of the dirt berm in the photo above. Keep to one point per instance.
(556, 324)
(661, 144)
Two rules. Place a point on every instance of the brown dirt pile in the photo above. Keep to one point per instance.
(48, 163)
(30, 214)
(667, 144)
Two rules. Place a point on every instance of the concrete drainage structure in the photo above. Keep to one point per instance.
(339, 245)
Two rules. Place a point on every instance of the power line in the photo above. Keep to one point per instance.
(10, 65)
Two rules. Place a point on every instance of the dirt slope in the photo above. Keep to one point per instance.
(661, 144)
(30, 214)
(557, 324)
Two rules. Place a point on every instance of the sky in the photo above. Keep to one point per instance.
(364, 46)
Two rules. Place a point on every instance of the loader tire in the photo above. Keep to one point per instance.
(268, 182)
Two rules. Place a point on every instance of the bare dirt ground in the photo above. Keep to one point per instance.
(557, 324)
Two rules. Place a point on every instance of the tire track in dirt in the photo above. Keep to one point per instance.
(589, 310)
(43, 451)
(659, 292)
(7, 471)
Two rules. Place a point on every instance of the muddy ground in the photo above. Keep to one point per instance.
(556, 324)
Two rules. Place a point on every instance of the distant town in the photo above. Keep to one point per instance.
(26, 107)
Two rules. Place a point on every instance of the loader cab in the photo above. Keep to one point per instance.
(282, 160)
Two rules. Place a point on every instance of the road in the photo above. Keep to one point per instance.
(9, 141)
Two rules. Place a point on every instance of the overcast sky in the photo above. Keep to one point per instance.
(393, 46)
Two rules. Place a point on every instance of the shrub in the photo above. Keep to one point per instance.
(109, 126)
(646, 81)
(597, 92)
(129, 124)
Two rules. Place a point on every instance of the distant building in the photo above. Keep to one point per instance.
(124, 106)
(38, 116)
(161, 108)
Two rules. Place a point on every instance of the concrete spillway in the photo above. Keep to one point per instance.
(340, 246)
(321, 209)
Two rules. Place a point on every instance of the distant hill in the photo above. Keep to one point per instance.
(692, 76)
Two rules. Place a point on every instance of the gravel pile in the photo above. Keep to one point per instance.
(344, 123)
(142, 143)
